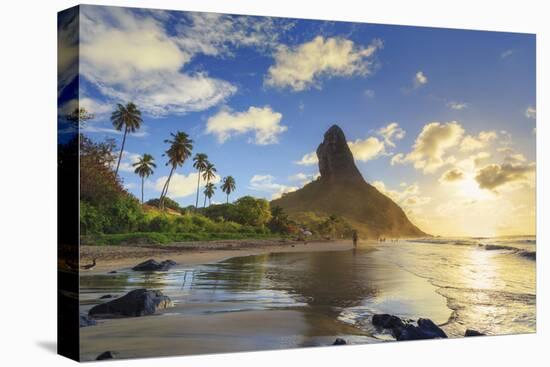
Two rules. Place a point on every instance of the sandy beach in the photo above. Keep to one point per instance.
(112, 258)
(231, 296)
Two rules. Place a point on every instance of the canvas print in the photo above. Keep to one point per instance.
(234, 183)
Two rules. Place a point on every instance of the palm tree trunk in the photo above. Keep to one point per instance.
(204, 205)
(198, 186)
(121, 150)
(227, 198)
(161, 204)
(142, 182)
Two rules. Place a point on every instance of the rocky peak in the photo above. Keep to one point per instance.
(336, 161)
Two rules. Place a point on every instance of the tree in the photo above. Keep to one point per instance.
(128, 118)
(200, 161)
(252, 211)
(79, 116)
(228, 186)
(208, 174)
(178, 152)
(144, 168)
(209, 190)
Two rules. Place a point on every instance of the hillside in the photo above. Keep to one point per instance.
(341, 190)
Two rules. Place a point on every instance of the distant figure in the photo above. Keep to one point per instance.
(89, 266)
(306, 235)
(354, 236)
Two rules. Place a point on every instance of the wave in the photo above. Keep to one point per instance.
(494, 245)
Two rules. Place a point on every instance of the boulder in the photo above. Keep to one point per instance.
(86, 321)
(470, 332)
(105, 355)
(139, 302)
(152, 265)
(339, 341)
(406, 330)
(386, 321)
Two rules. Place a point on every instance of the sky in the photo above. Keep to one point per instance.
(441, 120)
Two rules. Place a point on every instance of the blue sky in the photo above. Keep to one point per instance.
(432, 114)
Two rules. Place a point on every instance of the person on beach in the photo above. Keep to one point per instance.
(354, 236)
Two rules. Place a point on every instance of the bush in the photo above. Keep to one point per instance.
(168, 203)
(253, 212)
(160, 223)
(92, 221)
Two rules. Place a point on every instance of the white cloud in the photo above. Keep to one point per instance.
(457, 105)
(308, 159)
(367, 149)
(531, 112)
(128, 158)
(398, 158)
(505, 176)
(391, 132)
(507, 53)
(420, 79)
(303, 66)
(215, 34)
(452, 175)
(303, 178)
(266, 183)
(129, 56)
(369, 93)
(262, 121)
(407, 197)
(470, 143)
(181, 185)
(431, 146)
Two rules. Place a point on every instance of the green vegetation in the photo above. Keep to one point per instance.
(111, 215)
(156, 238)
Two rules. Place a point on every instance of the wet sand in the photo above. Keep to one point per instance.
(225, 332)
(111, 258)
(198, 332)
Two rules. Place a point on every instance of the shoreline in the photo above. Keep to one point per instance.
(114, 258)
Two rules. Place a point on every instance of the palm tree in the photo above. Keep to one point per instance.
(208, 174)
(144, 168)
(128, 118)
(228, 186)
(209, 190)
(200, 161)
(180, 149)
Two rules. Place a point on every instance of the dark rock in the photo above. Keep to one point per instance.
(105, 355)
(430, 328)
(152, 265)
(139, 302)
(86, 321)
(106, 296)
(386, 321)
(531, 255)
(113, 272)
(470, 332)
(339, 341)
(424, 328)
(336, 161)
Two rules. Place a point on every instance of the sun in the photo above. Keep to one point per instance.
(470, 189)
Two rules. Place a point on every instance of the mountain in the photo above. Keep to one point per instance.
(342, 191)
